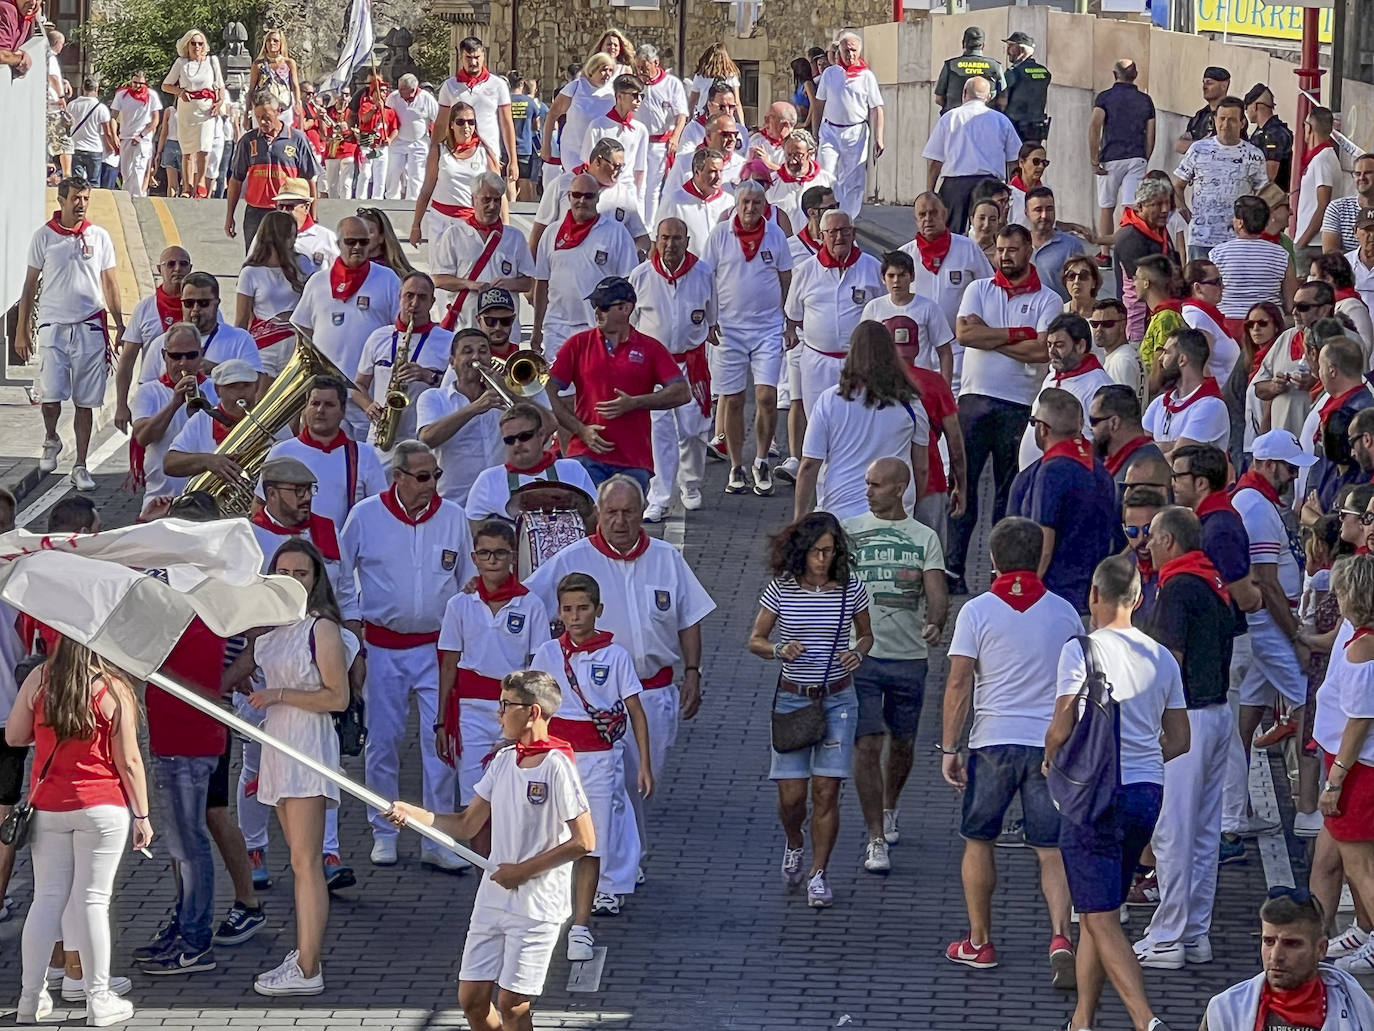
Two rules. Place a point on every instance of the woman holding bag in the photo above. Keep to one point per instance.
(82, 717)
(814, 601)
(195, 80)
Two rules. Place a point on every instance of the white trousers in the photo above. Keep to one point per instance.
(394, 676)
(372, 177)
(679, 435)
(75, 857)
(339, 177)
(624, 848)
(843, 153)
(405, 170)
(1235, 794)
(1189, 830)
(628, 827)
(653, 179)
(819, 372)
(134, 156)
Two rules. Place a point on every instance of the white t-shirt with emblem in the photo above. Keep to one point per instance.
(679, 314)
(572, 273)
(748, 292)
(72, 267)
(616, 200)
(992, 373)
(964, 264)
(919, 323)
(699, 215)
(340, 327)
(830, 302)
(494, 643)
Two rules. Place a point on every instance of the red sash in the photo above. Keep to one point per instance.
(450, 318)
(698, 372)
(266, 332)
(459, 211)
(376, 634)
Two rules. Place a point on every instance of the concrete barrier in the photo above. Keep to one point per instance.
(23, 115)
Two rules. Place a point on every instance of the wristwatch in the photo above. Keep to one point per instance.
(1328, 786)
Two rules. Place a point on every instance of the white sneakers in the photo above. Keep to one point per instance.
(384, 852)
(32, 1010)
(691, 499)
(580, 942)
(81, 479)
(52, 447)
(891, 833)
(787, 470)
(654, 513)
(1308, 825)
(605, 904)
(875, 856)
(1347, 942)
(74, 988)
(437, 859)
(1160, 955)
(1359, 963)
(287, 979)
(106, 1008)
(791, 867)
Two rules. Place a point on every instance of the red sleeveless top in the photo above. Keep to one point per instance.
(83, 772)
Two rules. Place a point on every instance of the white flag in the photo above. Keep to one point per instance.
(357, 48)
(129, 594)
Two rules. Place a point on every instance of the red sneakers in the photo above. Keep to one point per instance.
(980, 957)
(1062, 971)
(1277, 734)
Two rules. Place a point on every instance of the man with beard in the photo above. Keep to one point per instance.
(1118, 437)
(1191, 409)
(219, 341)
(1074, 368)
(1361, 437)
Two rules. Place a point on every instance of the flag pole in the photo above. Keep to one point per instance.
(248, 730)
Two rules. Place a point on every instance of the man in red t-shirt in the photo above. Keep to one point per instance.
(16, 26)
(941, 499)
(617, 371)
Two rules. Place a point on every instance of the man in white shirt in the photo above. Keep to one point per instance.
(663, 115)
(620, 125)
(767, 143)
(159, 410)
(971, 143)
(461, 420)
(583, 249)
(1011, 692)
(1286, 375)
(1002, 324)
(90, 121)
(699, 202)
(753, 267)
(219, 341)
(194, 450)
(798, 172)
(1321, 171)
(152, 316)
(416, 110)
(919, 328)
(849, 107)
(723, 135)
(1219, 169)
(523, 435)
(826, 302)
(478, 254)
(136, 108)
(605, 160)
(1362, 257)
(676, 305)
(1073, 367)
(1120, 357)
(489, 96)
(721, 99)
(76, 261)
(1191, 409)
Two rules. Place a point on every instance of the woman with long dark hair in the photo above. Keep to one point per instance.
(269, 285)
(82, 716)
(804, 91)
(1262, 325)
(812, 608)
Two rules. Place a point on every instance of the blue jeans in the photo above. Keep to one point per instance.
(182, 783)
(600, 472)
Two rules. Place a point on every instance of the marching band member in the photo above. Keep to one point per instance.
(461, 419)
(159, 411)
(219, 341)
(523, 433)
(193, 449)
(340, 147)
(480, 252)
(378, 370)
(376, 126)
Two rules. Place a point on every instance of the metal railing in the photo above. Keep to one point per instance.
(23, 115)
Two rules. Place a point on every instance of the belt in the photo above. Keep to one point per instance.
(375, 633)
(472, 684)
(555, 161)
(662, 137)
(581, 734)
(663, 678)
(829, 354)
(816, 690)
(843, 125)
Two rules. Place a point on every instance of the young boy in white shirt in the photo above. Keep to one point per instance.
(600, 696)
(539, 826)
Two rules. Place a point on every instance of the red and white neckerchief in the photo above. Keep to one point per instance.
(484, 229)
(640, 546)
(571, 233)
(774, 140)
(1029, 285)
(322, 531)
(1174, 404)
(662, 74)
(1076, 449)
(934, 252)
(344, 282)
(688, 260)
(787, 177)
(55, 224)
(168, 308)
(808, 241)
(1020, 589)
(339, 440)
(626, 120)
(853, 71)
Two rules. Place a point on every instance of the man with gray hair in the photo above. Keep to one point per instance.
(971, 143)
(701, 201)
(475, 256)
(766, 142)
(1144, 231)
(663, 114)
(416, 111)
(849, 110)
(798, 172)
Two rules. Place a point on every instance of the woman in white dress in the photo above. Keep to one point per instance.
(446, 196)
(195, 80)
(275, 70)
(587, 97)
(269, 285)
(305, 667)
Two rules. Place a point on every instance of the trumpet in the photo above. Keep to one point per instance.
(523, 375)
(198, 402)
(397, 398)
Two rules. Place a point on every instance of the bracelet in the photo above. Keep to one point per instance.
(1337, 762)
(137, 817)
(437, 727)
(777, 651)
(691, 669)
(947, 751)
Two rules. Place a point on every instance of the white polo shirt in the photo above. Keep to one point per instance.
(1364, 277)
(616, 200)
(1224, 351)
(428, 347)
(830, 302)
(1324, 169)
(465, 454)
(72, 265)
(604, 676)
(1270, 543)
(699, 214)
(572, 273)
(220, 345)
(144, 325)
(490, 492)
(849, 436)
(136, 117)
(197, 435)
(148, 399)
(332, 499)
(664, 99)
(964, 264)
(486, 97)
(272, 535)
(318, 243)
(919, 323)
(677, 176)
(457, 254)
(677, 313)
(1082, 386)
(1203, 419)
(647, 600)
(848, 99)
(494, 643)
(972, 139)
(748, 292)
(339, 327)
(406, 570)
(992, 373)
(786, 193)
(633, 137)
(416, 115)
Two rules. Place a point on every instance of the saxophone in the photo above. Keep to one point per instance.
(397, 398)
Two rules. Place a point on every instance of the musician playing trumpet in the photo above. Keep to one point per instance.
(193, 450)
(401, 361)
(159, 411)
(461, 420)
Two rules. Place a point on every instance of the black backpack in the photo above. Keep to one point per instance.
(1086, 772)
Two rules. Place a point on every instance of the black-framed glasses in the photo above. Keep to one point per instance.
(182, 356)
(1209, 282)
(425, 477)
(1367, 518)
(301, 490)
(355, 241)
(498, 320)
(519, 438)
(502, 705)
(1097, 420)
(821, 552)
(199, 302)
(1305, 306)
(1135, 533)
(1104, 323)
(492, 554)
(1180, 474)
(1033, 422)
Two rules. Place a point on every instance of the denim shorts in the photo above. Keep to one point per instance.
(833, 755)
(600, 472)
(995, 775)
(890, 695)
(1100, 858)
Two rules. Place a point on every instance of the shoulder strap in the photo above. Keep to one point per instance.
(313, 623)
(86, 117)
(1086, 644)
(351, 476)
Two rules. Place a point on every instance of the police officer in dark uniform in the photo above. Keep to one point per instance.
(1271, 135)
(949, 88)
(1216, 84)
(1028, 86)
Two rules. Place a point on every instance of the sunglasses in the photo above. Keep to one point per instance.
(355, 241)
(465, 121)
(1097, 420)
(1085, 274)
(581, 194)
(1257, 323)
(490, 554)
(1040, 162)
(422, 477)
(1209, 282)
(182, 356)
(1104, 323)
(1305, 306)
(199, 302)
(519, 438)
(1033, 422)
(490, 320)
(1135, 533)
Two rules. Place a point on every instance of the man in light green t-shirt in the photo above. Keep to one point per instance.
(903, 567)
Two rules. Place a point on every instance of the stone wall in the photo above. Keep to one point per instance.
(315, 31)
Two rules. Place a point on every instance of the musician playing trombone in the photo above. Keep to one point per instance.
(461, 420)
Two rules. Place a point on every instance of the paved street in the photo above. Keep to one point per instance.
(711, 942)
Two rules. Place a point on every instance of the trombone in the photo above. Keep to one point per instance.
(523, 375)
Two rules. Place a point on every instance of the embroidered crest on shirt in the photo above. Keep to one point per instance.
(448, 560)
(363, 302)
(336, 317)
(859, 294)
(698, 316)
(600, 257)
(663, 600)
(956, 276)
(537, 792)
(600, 674)
(515, 622)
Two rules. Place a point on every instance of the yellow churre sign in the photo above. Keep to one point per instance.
(1255, 18)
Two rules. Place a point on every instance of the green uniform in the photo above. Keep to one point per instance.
(1028, 87)
(957, 70)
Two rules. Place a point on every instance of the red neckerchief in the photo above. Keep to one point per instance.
(774, 140)
(55, 224)
(1018, 182)
(662, 74)
(1027, 286)
(391, 500)
(808, 240)
(309, 220)
(1347, 293)
(688, 260)
(934, 252)
(420, 327)
(166, 380)
(322, 532)
(579, 169)
(168, 308)
(602, 545)
(1311, 155)
(218, 430)
(626, 120)
(750, 240)
(469, 80)
(546, 460)
(459, 149)
(1296, 346)
(1304, 1006)
(1077, 448)
(1258, 360)
(1130, 219)
(788, 177)
(691, 187)
(1208, 388)
(1020, 590)
(1272, 238)
(139, 93)
(1255, 481)
(1087, 365)
(344, 282)
(1211, 311)
(549, 744)
(599, 639)
(1334, 403)
(571, 233)
(1217, 501)
(484, 229)
(1174, 304)
(1363, 631)
(828, 261)
(1198, 564)
(340, 439)
(1117, 459)
(700, 119)
(852, 71)
(510, 588)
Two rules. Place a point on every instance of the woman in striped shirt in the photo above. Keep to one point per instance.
(813, 603)
(1253, 269)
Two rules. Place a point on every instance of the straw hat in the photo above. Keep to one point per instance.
(184, 43)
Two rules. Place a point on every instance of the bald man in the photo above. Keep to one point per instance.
(901, 562)
(766, 143)
(969, 144)
(152, 316)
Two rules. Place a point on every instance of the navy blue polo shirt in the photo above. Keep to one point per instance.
(1079, 505)
(1123, 129)
(1227, 545)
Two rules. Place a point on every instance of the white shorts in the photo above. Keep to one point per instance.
(1273, 666)
(511, 949)
(72, 363)
(789, 381)
(1118, 186)
(819, 372)
(601, 776)
(480, 728)
(275, 356)
(744, 350)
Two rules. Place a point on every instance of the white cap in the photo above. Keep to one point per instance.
(1281, 446)
(235, 370)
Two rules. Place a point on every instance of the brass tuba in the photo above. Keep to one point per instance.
(523, 375)
(253, 435)
(397, 397)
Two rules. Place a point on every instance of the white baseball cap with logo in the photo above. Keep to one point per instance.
(1281, 446)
